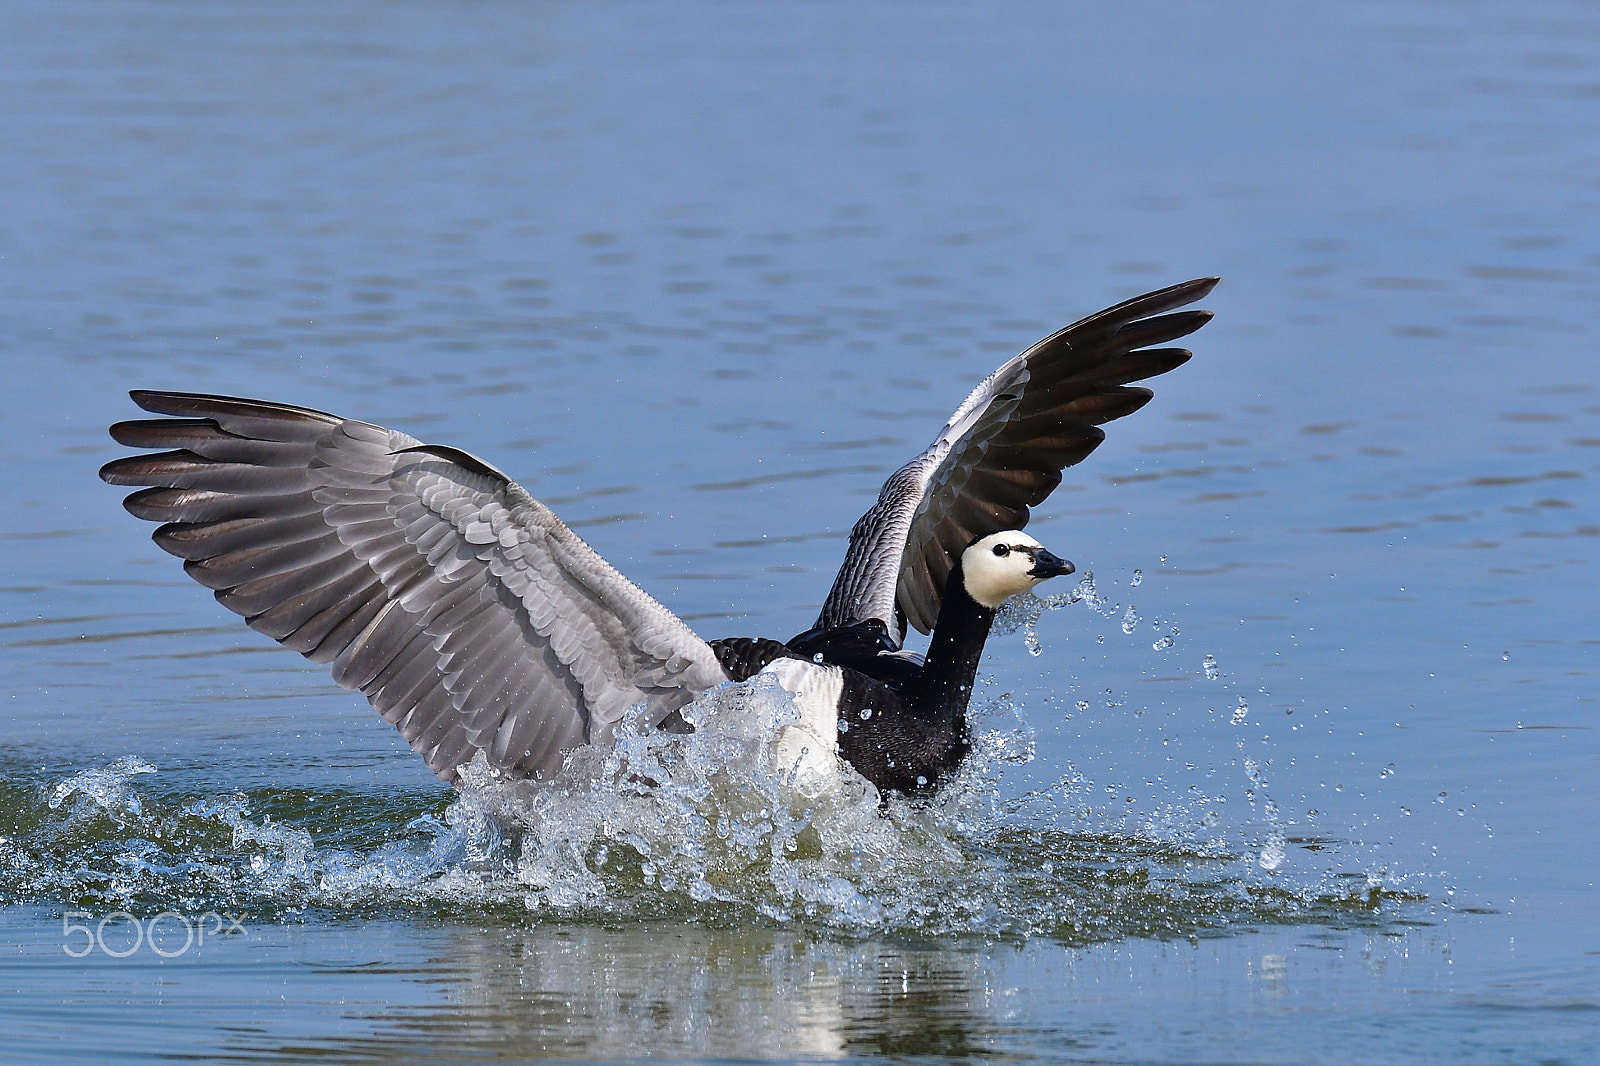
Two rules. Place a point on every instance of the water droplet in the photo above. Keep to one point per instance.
(1273, 852)
(1138, 579)
(1505, 656)
(921, 781)
(844, 726)
(1083, 705)
(1163, 644)
(1239, 712)
(1130, 619)
(817, 658)
(866, 713)
(1386, 773)
(1213, 671)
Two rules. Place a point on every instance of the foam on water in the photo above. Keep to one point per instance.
(703, 826)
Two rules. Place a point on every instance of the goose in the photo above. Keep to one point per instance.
(480, 626)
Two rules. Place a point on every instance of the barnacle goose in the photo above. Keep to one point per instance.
(477, 623)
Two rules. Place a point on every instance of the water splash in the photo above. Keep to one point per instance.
(1023, 612)
(1274, 847)
(704, 826)
(106, 789)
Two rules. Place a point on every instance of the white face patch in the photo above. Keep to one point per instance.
(994, 572)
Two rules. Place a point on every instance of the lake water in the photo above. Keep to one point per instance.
(700, 277)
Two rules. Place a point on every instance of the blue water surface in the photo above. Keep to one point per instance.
(700, 277)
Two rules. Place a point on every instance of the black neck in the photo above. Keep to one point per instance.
(945, 684)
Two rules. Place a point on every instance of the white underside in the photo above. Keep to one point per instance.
(809, 748)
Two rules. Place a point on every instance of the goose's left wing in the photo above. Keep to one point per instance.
(1001, 453)
(469, 615)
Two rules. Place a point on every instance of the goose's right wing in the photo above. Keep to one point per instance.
(1002, 452)
(470, 616)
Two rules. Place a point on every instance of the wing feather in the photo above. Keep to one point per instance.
(1002, 452)
(469, 615)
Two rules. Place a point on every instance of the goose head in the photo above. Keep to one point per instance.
(1001, 565)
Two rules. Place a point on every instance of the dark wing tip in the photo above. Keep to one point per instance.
(159, 432)
(1154, 303)
(145, 469)
(108, 473)
(203, 405)
(1182, 293)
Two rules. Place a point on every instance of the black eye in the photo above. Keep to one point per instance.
(1001, 549)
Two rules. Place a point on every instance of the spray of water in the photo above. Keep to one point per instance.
(706, 827)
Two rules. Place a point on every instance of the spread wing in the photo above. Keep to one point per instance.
(470, 616)
(1002, 452)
